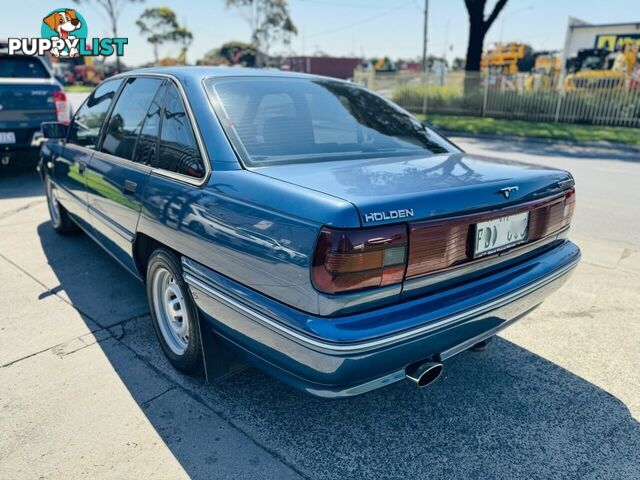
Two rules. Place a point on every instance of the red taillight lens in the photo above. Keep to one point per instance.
(569, 207)
(60, 102)
(437, 245)
(347, 260)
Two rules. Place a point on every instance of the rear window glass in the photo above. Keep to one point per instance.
(22, 67)
(293, 120)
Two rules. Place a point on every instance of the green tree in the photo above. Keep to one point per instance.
(233, 53)
(270, 21)
(458, 63)
(159, 25)
(113, 9)
(184, 38)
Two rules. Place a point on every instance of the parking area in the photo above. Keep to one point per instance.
(86, 391)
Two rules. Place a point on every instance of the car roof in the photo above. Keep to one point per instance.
(198, 73)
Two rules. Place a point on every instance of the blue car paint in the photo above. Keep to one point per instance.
(313, 361)
(114, 218)
(220, 228)
(436, 186)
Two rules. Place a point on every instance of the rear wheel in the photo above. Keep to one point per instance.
(173, 311)
(60, 219)
(482, 345)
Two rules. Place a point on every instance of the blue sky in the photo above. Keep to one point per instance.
(343, 27)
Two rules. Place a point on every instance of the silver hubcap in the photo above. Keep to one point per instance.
(170, 310)
(54, 209)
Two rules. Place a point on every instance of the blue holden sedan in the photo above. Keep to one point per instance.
(309, 224)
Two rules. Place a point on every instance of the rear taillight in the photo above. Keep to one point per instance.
(347, 260)
(62, 108)
(437, 245)
(569, 207)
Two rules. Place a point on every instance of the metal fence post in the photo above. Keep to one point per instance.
(556, 117)
(485, 94)
(426, 88)
(560, 93)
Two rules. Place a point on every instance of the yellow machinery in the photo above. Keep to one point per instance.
(598, 68)
(548, 63)
(546, 70)
(503, 58)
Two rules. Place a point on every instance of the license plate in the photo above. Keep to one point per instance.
(500, 233)
(7, 137)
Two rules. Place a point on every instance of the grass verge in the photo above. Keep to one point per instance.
(522, 128)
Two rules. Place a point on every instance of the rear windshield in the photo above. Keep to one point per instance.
(21, 67)
(293, 120)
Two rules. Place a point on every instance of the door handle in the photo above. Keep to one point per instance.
(82, 166)
(129, 187)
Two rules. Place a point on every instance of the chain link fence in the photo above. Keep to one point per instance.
(595, 98)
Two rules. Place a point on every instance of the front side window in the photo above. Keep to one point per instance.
(128, 116)
(292, 120)
(179, 151)
(85, 128)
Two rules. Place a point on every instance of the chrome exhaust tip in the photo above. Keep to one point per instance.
(423, 374)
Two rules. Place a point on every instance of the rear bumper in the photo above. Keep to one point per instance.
(19, 153)
(328, 368)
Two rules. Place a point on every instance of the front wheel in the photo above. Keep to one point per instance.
(173, 312)
(60, 219)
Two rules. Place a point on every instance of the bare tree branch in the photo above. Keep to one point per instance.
(494, 14)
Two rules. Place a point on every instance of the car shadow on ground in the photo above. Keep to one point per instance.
(503, 413)
(18, 182)
(567, 149)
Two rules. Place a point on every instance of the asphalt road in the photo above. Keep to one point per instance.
(85, 390)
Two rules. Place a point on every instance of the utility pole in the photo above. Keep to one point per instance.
(424, 36)
(424, 55)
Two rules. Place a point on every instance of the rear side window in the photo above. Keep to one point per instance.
(85, 129)
(179, 151)
(147, 146)
(128, 116)
(22, 67)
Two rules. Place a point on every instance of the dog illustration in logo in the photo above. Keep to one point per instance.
(63, 23)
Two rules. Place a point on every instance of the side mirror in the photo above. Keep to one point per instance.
(54, 130)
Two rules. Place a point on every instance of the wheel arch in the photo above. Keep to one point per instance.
(143, 247)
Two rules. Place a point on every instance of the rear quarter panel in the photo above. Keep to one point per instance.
(255, 230)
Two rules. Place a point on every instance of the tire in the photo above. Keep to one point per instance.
(174, 314)
(59, 217)
(482, 346)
